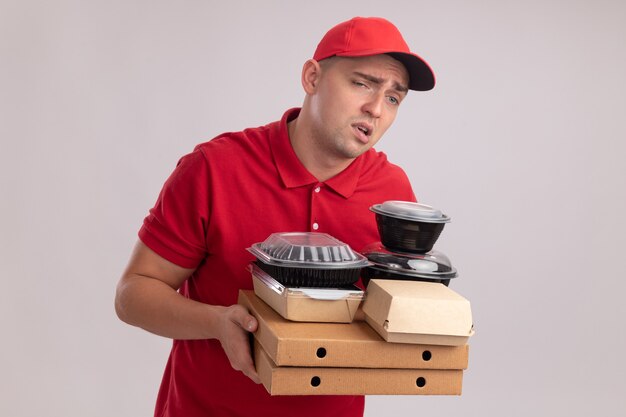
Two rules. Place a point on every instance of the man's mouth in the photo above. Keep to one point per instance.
(364, 131)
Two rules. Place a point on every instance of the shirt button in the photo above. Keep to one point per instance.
(316, 226)
(317, 189)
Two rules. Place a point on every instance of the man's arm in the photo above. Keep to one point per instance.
(147, 296)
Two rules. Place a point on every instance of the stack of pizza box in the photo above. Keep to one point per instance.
(407, 338)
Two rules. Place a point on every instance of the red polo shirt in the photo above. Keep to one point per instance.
(229, 193)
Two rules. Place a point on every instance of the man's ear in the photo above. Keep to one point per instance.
(311, 72)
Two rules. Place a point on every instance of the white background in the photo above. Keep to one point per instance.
(521, 143)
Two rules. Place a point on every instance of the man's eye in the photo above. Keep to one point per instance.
(394, 100)
(359, 84)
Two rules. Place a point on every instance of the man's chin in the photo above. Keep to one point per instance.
(354, 153)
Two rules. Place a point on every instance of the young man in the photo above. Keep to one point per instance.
(315, 170)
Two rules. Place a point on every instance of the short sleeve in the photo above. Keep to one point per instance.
(175, 227)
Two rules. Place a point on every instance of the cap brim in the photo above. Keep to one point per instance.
(421, 75)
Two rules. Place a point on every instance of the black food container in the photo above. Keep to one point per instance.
(432, 266)
(308, 259)
(407, 226)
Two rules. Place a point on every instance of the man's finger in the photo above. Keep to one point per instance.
(244, 319)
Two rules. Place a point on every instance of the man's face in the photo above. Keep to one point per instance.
(355, 102)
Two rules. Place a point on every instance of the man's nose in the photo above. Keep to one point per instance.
(374, 105)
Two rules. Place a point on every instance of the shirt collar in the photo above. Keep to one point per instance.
(294, 174)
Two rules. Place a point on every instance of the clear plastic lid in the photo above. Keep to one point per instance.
(432, 264)
(409, 210)
(307, 250)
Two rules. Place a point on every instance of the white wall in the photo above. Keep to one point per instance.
(521, 142)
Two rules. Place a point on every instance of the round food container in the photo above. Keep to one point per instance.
(308, 259)
(432, 266)
(408, 226)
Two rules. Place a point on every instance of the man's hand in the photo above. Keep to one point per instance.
(235, 324)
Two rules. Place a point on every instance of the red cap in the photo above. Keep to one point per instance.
(364, 36)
